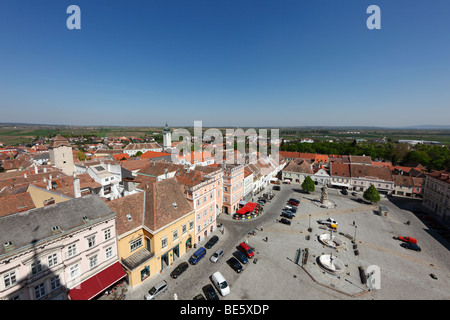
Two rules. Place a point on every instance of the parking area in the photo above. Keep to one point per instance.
(276, 275)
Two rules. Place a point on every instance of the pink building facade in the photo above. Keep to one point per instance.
(203, 186)
(52, 253)
(233, 187)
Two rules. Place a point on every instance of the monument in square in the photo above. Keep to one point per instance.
(324, 196)
(324, 202)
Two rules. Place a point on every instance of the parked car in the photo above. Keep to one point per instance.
(344, 192)
(156, 290)
(354, 194)
(291, 212)
(406, 239)
(210, 293)
(197, 256)
(276, 188)
(411, 246)
(220, 283)
(241, 257)
(294, 203)
(328, 221)
(234, 264)
(285, 221)
(182, 267)
(216, 255)
(211, 242)
(246, 250)
(199, 297)
(287, 215)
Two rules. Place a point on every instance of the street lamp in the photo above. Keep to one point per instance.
(355, 233)
(309, 228)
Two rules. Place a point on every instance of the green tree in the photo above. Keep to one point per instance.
(371, 194)
(308, 185)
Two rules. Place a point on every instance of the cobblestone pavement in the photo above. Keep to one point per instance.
(404, 274)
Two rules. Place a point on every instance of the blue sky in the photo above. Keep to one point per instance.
(225, 62)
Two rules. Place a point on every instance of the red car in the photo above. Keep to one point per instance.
(246, 250)
(407, 239)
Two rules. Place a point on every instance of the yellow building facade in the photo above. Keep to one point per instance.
(145, 253)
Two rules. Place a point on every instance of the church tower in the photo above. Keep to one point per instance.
(167, 138)
(61, 155)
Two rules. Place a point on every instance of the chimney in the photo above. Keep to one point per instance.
(49, 184)
(76, 187)
(45, 170)
(36, 170)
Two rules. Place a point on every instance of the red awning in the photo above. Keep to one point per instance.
(97, 283)
(249, 207)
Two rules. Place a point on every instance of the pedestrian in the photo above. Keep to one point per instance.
(267, 239)
(261, 228)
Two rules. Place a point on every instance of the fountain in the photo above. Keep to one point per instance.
(330, 240)
(331, 264)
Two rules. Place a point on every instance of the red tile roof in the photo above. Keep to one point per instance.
(164, 203)
(16, 203)
(442, 175)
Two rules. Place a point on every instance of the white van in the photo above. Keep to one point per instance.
(220, 283)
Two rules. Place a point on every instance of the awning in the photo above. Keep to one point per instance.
(249, 207)
(97, 283)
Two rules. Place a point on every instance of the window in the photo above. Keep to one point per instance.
(109, 253)
(184, 229)
(52, 260)
(39, 291)
(198, 202)
(74, 271)
(107, 234)
(191, 225)
(135, 244)
(93, 261)
(199, 228)
(55, 283)
(175, 235)
(91, 241)
(72, 250)
(10, 279)
(205, 213)
(36, 267)
(204, 199)
(163, 242)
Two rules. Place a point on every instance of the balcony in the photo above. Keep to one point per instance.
(137, 259)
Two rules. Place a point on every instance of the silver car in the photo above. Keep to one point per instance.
(156, 290)
(216, 255)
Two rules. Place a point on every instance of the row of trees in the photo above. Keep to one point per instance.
(371, 194)
(434, 157)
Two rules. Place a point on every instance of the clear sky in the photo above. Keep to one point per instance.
(225, 62)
